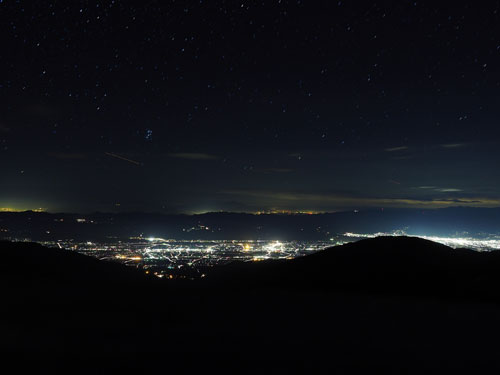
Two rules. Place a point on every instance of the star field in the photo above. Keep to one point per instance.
(249, 105)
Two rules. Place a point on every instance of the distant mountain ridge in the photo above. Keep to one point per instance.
(238, 226)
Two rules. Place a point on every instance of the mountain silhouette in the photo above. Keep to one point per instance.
(33, 263)
(385, 265)
(390, 305)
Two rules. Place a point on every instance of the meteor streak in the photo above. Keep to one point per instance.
(122, 158)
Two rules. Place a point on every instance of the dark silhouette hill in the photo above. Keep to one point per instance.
(27, 263)
(386, 265)
(384, 305)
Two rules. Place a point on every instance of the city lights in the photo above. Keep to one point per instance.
(488, 243)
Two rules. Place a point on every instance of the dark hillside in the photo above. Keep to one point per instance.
(33, 263)
(388, 305)
(403, 266)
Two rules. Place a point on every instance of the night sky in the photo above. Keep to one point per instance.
(195, 106)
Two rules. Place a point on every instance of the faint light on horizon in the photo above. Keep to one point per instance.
(11, 209)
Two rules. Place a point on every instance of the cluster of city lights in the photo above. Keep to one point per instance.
(488, 243)
(168, 258)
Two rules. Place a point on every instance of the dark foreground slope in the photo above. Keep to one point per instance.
(27, 263)
(388, 305)
(401, 266)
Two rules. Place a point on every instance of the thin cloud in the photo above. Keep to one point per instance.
(306, 201)
(194, 156)
(394, 182)
(439, 189)
(452, 145)
(466, 201)
(393, 149)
